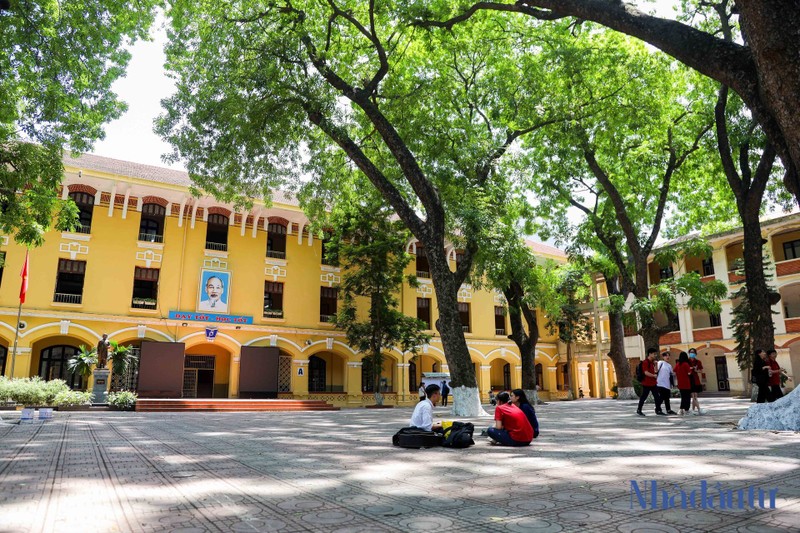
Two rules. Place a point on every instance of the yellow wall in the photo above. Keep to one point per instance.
(112, 251)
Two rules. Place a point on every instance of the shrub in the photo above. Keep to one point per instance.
(31, 391)
(72, 397)
(124, 400)
(615, 392)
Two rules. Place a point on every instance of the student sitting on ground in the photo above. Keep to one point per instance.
(520, 399)
(422, 417)
(511, 426)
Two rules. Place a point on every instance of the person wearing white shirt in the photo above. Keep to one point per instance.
(422, 417)
(663, 373)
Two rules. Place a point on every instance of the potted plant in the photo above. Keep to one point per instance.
(83, 362)
(122, 401)
(121, 358)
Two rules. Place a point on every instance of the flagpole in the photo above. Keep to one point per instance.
(16, 337)
(23, 290)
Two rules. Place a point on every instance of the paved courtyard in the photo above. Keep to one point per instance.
(337, 471)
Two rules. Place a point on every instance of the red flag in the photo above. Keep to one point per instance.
(24, 288)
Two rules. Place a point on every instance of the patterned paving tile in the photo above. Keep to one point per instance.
(275, 472)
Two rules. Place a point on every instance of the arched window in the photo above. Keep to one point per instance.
(317, 370)
(53, 365)
(85, 203)
(151, 228)
(276, 241)
(217, 232)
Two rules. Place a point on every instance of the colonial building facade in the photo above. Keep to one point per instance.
(711, 335)
(206, 294)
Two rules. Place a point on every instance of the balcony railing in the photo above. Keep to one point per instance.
(499, 331)
(423, 274)
(151, 237)
(464, 328)
(788, 267)
(276, 254)
(218, 246)
(64, 298)
(273, 313)
(143, 303)
(326, 318)
(80, 228)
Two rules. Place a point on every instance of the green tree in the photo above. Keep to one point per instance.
(58, 63)
(507, 264)
(330, 87)
(83, 362)
(570, 320)
(618, 169)
(763, 69)
(370, 248)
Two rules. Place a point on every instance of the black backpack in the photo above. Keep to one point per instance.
(459, 435)
(412, 437)
(639, 372)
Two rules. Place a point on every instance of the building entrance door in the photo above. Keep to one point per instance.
(198, 376)
(722, 373)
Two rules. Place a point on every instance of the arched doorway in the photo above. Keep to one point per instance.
(539, 376)
(386, 379)
(499, 375)
(206, 371)
(326, 373)
(53, 365)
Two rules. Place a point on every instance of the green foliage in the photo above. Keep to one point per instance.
(121, 358)
(571, 321)
(31, 391)
(72, 398)
(371, 249)
(123, 400)
(58, 63)
(83, 362)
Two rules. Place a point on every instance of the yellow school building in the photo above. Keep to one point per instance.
(214, 299)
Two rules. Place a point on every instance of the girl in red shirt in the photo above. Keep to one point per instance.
(697, 385)
(684, 371)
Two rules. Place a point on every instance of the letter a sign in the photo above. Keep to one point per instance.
(300, 371)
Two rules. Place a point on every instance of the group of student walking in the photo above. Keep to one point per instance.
(767, 375)
(659, 377)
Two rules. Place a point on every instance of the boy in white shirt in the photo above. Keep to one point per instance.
(663, 373)
(422, 417)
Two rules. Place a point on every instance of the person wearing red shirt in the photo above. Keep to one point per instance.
(697, 384)
(774, 376)
(649, 382)
(684, 371)
(511, 426)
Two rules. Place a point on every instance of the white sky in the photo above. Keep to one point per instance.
(131, 138)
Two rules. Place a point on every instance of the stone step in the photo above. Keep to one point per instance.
(206, 404)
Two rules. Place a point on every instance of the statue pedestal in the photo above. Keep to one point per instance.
(100, 385)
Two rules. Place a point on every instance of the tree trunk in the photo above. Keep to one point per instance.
(651, 336)
(525, 340)
(772, 31)
(464, 388)
(762, 329)
(622, 369)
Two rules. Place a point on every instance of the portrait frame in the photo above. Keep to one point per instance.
(205, 303)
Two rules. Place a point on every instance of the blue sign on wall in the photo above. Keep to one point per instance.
(210, 317)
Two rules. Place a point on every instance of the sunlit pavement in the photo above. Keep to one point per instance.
(337, 471)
